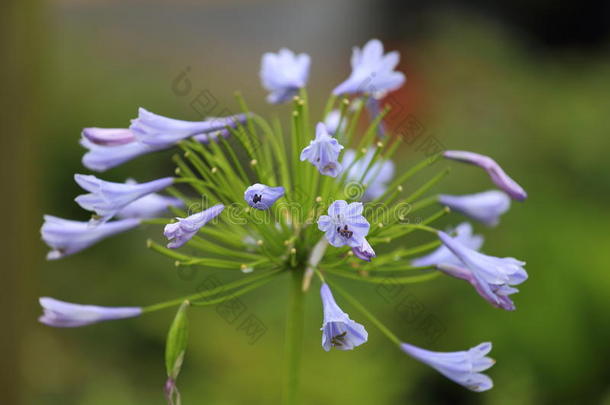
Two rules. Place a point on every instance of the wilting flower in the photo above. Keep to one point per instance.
(101, 157)
(485, 207)
(344, 224)
(364, 252)
(106, 198)
(338, 330)
(443, 255)
(497, 295)
(492, 270)
(497, 175)
(323, 152)
(462, 367)
(283, 74)
(150, 206)
(67, 237)
(62, 314)
(262, 197)
(332, 121)
(372, 71)
(159, 131)
(109, 136)
(182, 231)
(377, 177)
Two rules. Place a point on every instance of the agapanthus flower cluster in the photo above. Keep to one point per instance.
(315, 199)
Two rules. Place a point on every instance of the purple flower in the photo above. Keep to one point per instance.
(150, 206)
(109, 136)
(283, 74)
(162, 132)
(323, 152)
(485, 207)
(497, 175)
(62, 314)
(262, 197)
(364, 252)
(372, 71)
(344, 224)
(462, 367)
(107, 198)
(67, 237)
(338, 330)
(379, 174)
(182, 231)
(101, 157)
(443, 255)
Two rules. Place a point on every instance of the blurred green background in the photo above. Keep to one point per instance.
(528, 83)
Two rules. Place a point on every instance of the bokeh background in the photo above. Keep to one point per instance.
(525, 82)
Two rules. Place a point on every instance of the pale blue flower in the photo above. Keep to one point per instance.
(376, 179)
(442, 255)
(485, 207)
(182, 231)
(323, 152)
(283, 74)
(344, 224)
(62, 314)
(67, 237)
(162, 132)
(462, 367)
(493, 169)
(150, 206)
(108, 136)
(338, 330)
(106, 198)
(372, 71)
(364, 252)
(262, 197)
(102, 157)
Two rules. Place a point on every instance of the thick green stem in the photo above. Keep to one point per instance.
(294, 338)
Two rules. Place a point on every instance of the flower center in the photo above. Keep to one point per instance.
(257, 198)
(345, 232)
(339, 340)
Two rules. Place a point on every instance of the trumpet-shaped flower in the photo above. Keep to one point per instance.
(106, 198)
(372, 71)
(109, 136)
(344, 224)
(485, 207)
(283, 74)
(493, 169)
(323, 152)
(375, 179)
(338, 330)
(67, 237)
(364, 252)
(62, 314)
(182, 231)
(442, 255)
(101, 157)
(162, 132)
(462, 367)
(150, 206)
(262, 197)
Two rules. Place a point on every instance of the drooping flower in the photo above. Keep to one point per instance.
(364, 252)
(442, 255)
(378, 175)
(162, 132)
(102, 157)
(283, 74)
(323, 152)
(182, 231)
(338, 330)
(67, 237)
(332, 122)
(106, 198)
(496, 294)
(109, 136)
(462, 367)
(492, 270)
(62, 314)
(262, 197)
(150, 206)
(344, 224)
(485, 207)
(497, 175)
(372, 71)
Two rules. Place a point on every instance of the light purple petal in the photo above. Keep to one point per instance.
(485, 207)
(62, 314)
(262, 197)
(182, 231)
(283, 74)
(338, 330)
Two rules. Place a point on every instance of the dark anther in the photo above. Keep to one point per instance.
(257, 198)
